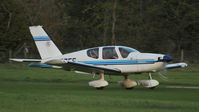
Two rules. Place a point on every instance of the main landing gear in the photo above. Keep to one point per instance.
(128, 83)
(99, 84)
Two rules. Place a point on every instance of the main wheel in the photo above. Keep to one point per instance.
(100, 88)
(129, 88)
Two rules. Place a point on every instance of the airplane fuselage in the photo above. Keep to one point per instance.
(133, 62)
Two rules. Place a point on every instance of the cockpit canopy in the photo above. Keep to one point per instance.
(110, 52)
(125, 51)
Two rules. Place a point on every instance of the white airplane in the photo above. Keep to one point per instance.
(112, 60)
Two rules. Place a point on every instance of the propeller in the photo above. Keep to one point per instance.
(162, 72)
(163, 75)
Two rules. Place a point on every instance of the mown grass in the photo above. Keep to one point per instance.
(24, 89)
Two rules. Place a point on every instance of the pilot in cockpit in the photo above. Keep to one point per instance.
(109, 53)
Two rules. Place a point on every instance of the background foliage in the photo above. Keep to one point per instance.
(163, 26)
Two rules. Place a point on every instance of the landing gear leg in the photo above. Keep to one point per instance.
(99, 84)
(150, 77)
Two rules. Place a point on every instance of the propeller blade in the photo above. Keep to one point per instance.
(162, 76)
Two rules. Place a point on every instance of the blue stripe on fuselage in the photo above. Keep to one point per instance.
(120, 62)
(41, 38)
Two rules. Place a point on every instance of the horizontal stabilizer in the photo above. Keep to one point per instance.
(43, 65)
(25, 60)
(175, 65)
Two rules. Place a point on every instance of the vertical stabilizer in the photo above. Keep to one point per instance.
(45, 45)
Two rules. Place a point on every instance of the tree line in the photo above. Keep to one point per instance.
(160, 26)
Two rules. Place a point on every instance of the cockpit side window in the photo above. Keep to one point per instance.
(124, 52)
(93, 53)
(109, 53)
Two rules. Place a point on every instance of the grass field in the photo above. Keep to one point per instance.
(24, 89)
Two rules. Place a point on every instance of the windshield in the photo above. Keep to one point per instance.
(93, 53)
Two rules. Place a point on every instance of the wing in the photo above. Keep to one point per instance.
(89, 68)
(25, 60)
(175, 65)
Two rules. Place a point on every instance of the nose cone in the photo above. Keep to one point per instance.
(167, 59)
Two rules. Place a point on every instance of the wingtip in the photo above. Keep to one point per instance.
(184, 65)
(36, 26)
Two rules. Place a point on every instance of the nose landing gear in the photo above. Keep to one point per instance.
(150, 83)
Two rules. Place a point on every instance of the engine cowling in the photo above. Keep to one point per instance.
(148, 83)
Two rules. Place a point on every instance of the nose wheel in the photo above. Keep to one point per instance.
(150, 83)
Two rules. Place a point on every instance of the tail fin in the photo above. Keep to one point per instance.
(45, 45)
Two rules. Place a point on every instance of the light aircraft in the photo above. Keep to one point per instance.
(112, 60)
